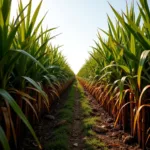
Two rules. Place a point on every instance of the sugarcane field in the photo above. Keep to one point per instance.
(74, 75)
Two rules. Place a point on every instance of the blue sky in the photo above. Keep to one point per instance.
(78, 21)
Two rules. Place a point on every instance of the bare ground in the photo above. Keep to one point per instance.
(113, 138)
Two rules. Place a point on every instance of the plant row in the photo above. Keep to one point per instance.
(33, 72)
(117, 72)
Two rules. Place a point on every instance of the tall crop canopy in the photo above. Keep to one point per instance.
(32, 71)
(118, 70)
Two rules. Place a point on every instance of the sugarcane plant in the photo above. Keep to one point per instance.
(32, 71)
(120, 74)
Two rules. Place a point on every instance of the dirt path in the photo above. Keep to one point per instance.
(57, 132)
(76, 137)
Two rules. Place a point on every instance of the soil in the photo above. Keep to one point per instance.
(113, 138)
(44, 129)
(76, 138)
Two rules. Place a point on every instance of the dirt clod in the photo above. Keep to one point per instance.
(95, 109)
(99, 129)
(128, 140)
(117, 127)
(50, 117)
(75, 144)
(109, 126)
(109, 120)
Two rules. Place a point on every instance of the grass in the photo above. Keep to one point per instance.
(86, 108)
(91, 141)
(60, 140)
(89, 122)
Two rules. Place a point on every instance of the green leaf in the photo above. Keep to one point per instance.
(6, 11)
(1, 19)
(3, 140)
(124, 68)
(33, 20)
(141, 65)
(112, 27)
(132, 45)
(38, 87)
(12, 34)
(28, 14)
(22, 25)
(32, 58)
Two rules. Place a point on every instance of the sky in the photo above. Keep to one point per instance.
(78, 22)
